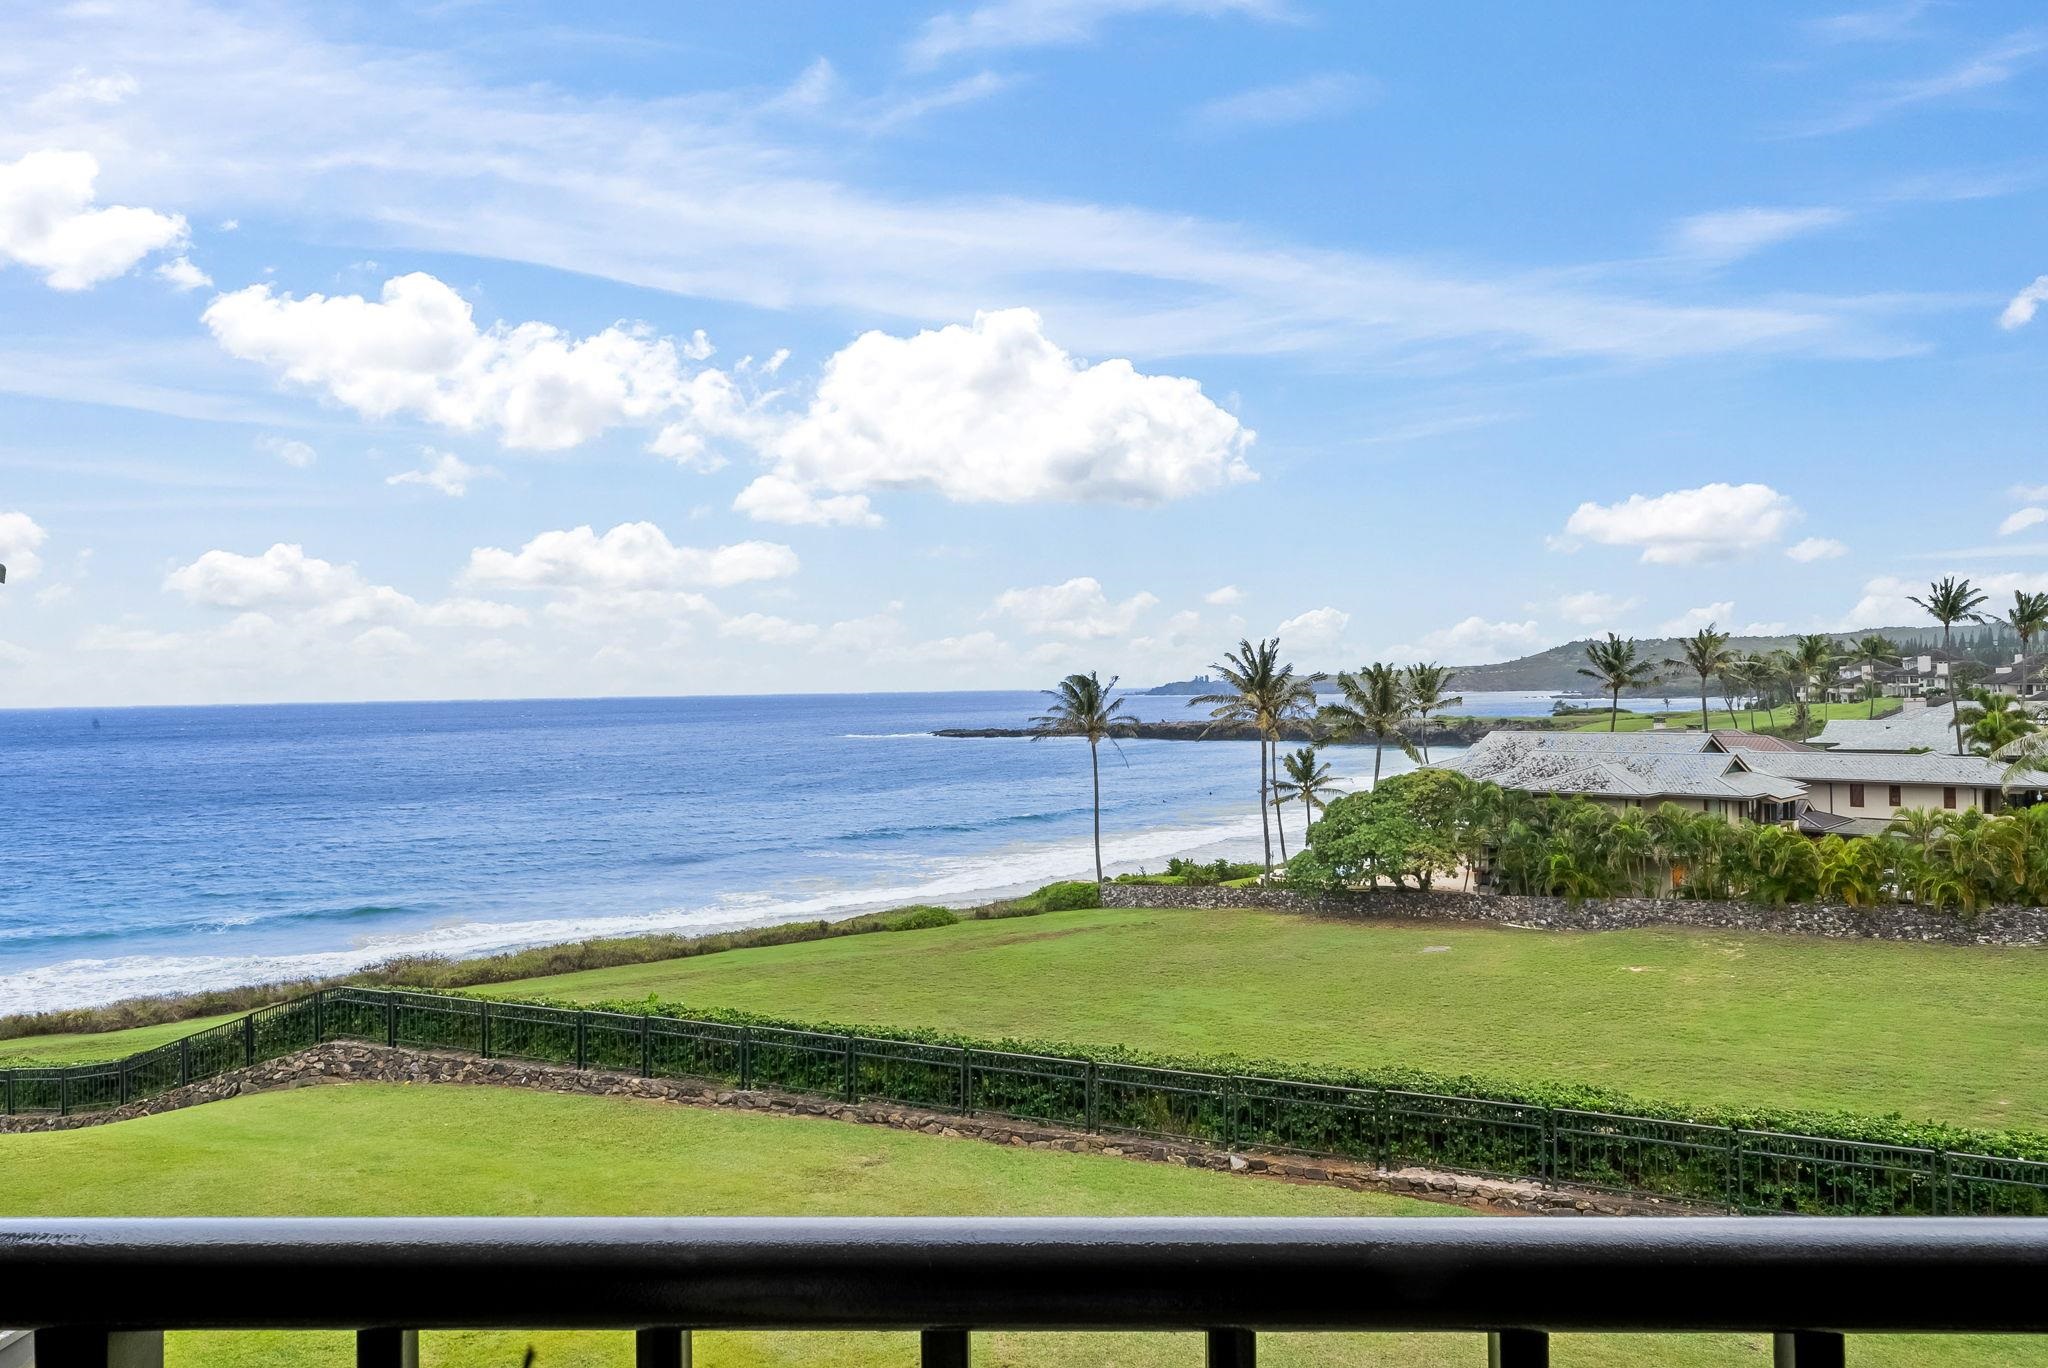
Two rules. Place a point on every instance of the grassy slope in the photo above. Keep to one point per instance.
(81, 1049)
(1933, 1032)
(374, 1149)
(1767, 719)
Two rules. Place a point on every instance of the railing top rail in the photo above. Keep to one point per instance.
(1595, 1274)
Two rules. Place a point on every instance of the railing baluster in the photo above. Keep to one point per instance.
(1517, 1349)
(387, 1348)
(666, 1347)
(87, 1346)
(943, 1349)
(1231, 1349)
(1806, 1349)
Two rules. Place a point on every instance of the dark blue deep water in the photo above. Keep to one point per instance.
(162, 849)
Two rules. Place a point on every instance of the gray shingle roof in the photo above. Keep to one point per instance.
(1882, 767)
(1543, 762)
(1921, 729)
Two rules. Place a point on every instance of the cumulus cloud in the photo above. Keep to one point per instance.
(2024, 305)
(20, 540)
(48, 222)
(1473, 641)
(997, 413)
(1078, 608)
(1693, 619)
(777, 499)
(286, 580)
(1816, 549)
(2021, 520)
(1687, 526)
(417, 350)
(1223, 598)
(1887, 599)
(771, 630)
(445, 471)
(181, 274)
(631, 557)
(1316, 629)
(1592, 607)
(290, 450)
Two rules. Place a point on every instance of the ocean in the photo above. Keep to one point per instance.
(159, 850)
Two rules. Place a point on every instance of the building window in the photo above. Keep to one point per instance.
(1855, 795)
(1895, 798)
(1948, 797)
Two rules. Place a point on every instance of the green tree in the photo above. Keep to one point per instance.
(1706, 654)
(1746, 676)
(1809, 666)
(1082, 706)
(1615, 664)
(2028, 618)
(1373, 702)
(1992, 721)
(1294, 700)
(1875, 653)
(1949, 601)
(1307, 781)
(1261, 692)
(1428, 692)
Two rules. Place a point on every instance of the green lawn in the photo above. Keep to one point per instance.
(82, 1049)
(1933, 1032)
(1765, 718)
(378, 1149)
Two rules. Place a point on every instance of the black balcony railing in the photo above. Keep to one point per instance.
(102, 1292)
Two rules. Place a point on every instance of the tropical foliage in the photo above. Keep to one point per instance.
(1949, 601)
(1308, 782)
(1082, 706)
(1374, 702)
(1615, 664)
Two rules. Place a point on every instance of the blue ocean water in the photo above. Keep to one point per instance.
(156, 850)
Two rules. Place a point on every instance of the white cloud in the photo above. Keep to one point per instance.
(290, 450)
(1317, 629)
(1886, 600)
(1077, 608)
(1984, 70)
(1224, 597)
(1000, 24)
(445, 471)
(1882, 24)
(1290, 102)
(2021, 520)
(2025, 305)
(416, 349)
(319, 592)
(777, 499)
(48, 222)
(630, 557)
(1693, 619)
(181, 274)
(996, 413)
(2026, 493)
(1473, 641)
(1730, 234)
(1762, 629)
(1687, 526)
(1592, 607)
(768, 629)
(385, 642)
(20, 540)
(1816, 549)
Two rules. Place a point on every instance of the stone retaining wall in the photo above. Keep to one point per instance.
(349, 1062)
(1991, 926)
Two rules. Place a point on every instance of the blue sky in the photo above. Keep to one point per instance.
(492, 349)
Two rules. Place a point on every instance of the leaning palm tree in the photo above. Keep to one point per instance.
(1250, 675)
(1082, 706)
(1808, 665)
(1293, 699)
(1744, 676)
(1874, 652)
(1949, 601)
(2027, 619)
(1426, 685)
(1375, 703)
(1615, 664)
(1995, 721)
(1308, 781)
(1706, 654)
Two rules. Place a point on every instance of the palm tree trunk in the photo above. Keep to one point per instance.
(1095, 773)
(1379, 748)
(1706, 722)
(1614, 709)
(1424, 716)
(1279, 818)
(1265, 828)
(1955, 697)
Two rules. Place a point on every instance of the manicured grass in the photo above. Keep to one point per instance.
(81, 1049)
(1933, 1032)
(373, 1149)
(1763, 718)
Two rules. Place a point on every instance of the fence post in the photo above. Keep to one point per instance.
(966, 1081)
(1550, 1146)
(852, 1054)
(64, 1092)
(121, 1072)
(1937, 1172)
(184, 1060)
(391, 1019)
(1090, 1110)
(484, 1030)
(1734, 1193)
(746, 1059)
(582, 1041)
(249, 1040)
(646, 1045)
(319, 1016)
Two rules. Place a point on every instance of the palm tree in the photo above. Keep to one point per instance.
(1293, 699)
(1807, 666)
(2028, 619)
(1706, 654)
(1308, 780)
(1375, 701)
(1262, 693)
(1744, 675)
(1426, 685)
(1995, 721)
(1082, 706)
(1949, 601)
(1615, 665)
(1874, 652)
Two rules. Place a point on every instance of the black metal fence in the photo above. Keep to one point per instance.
(1748, 1171)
